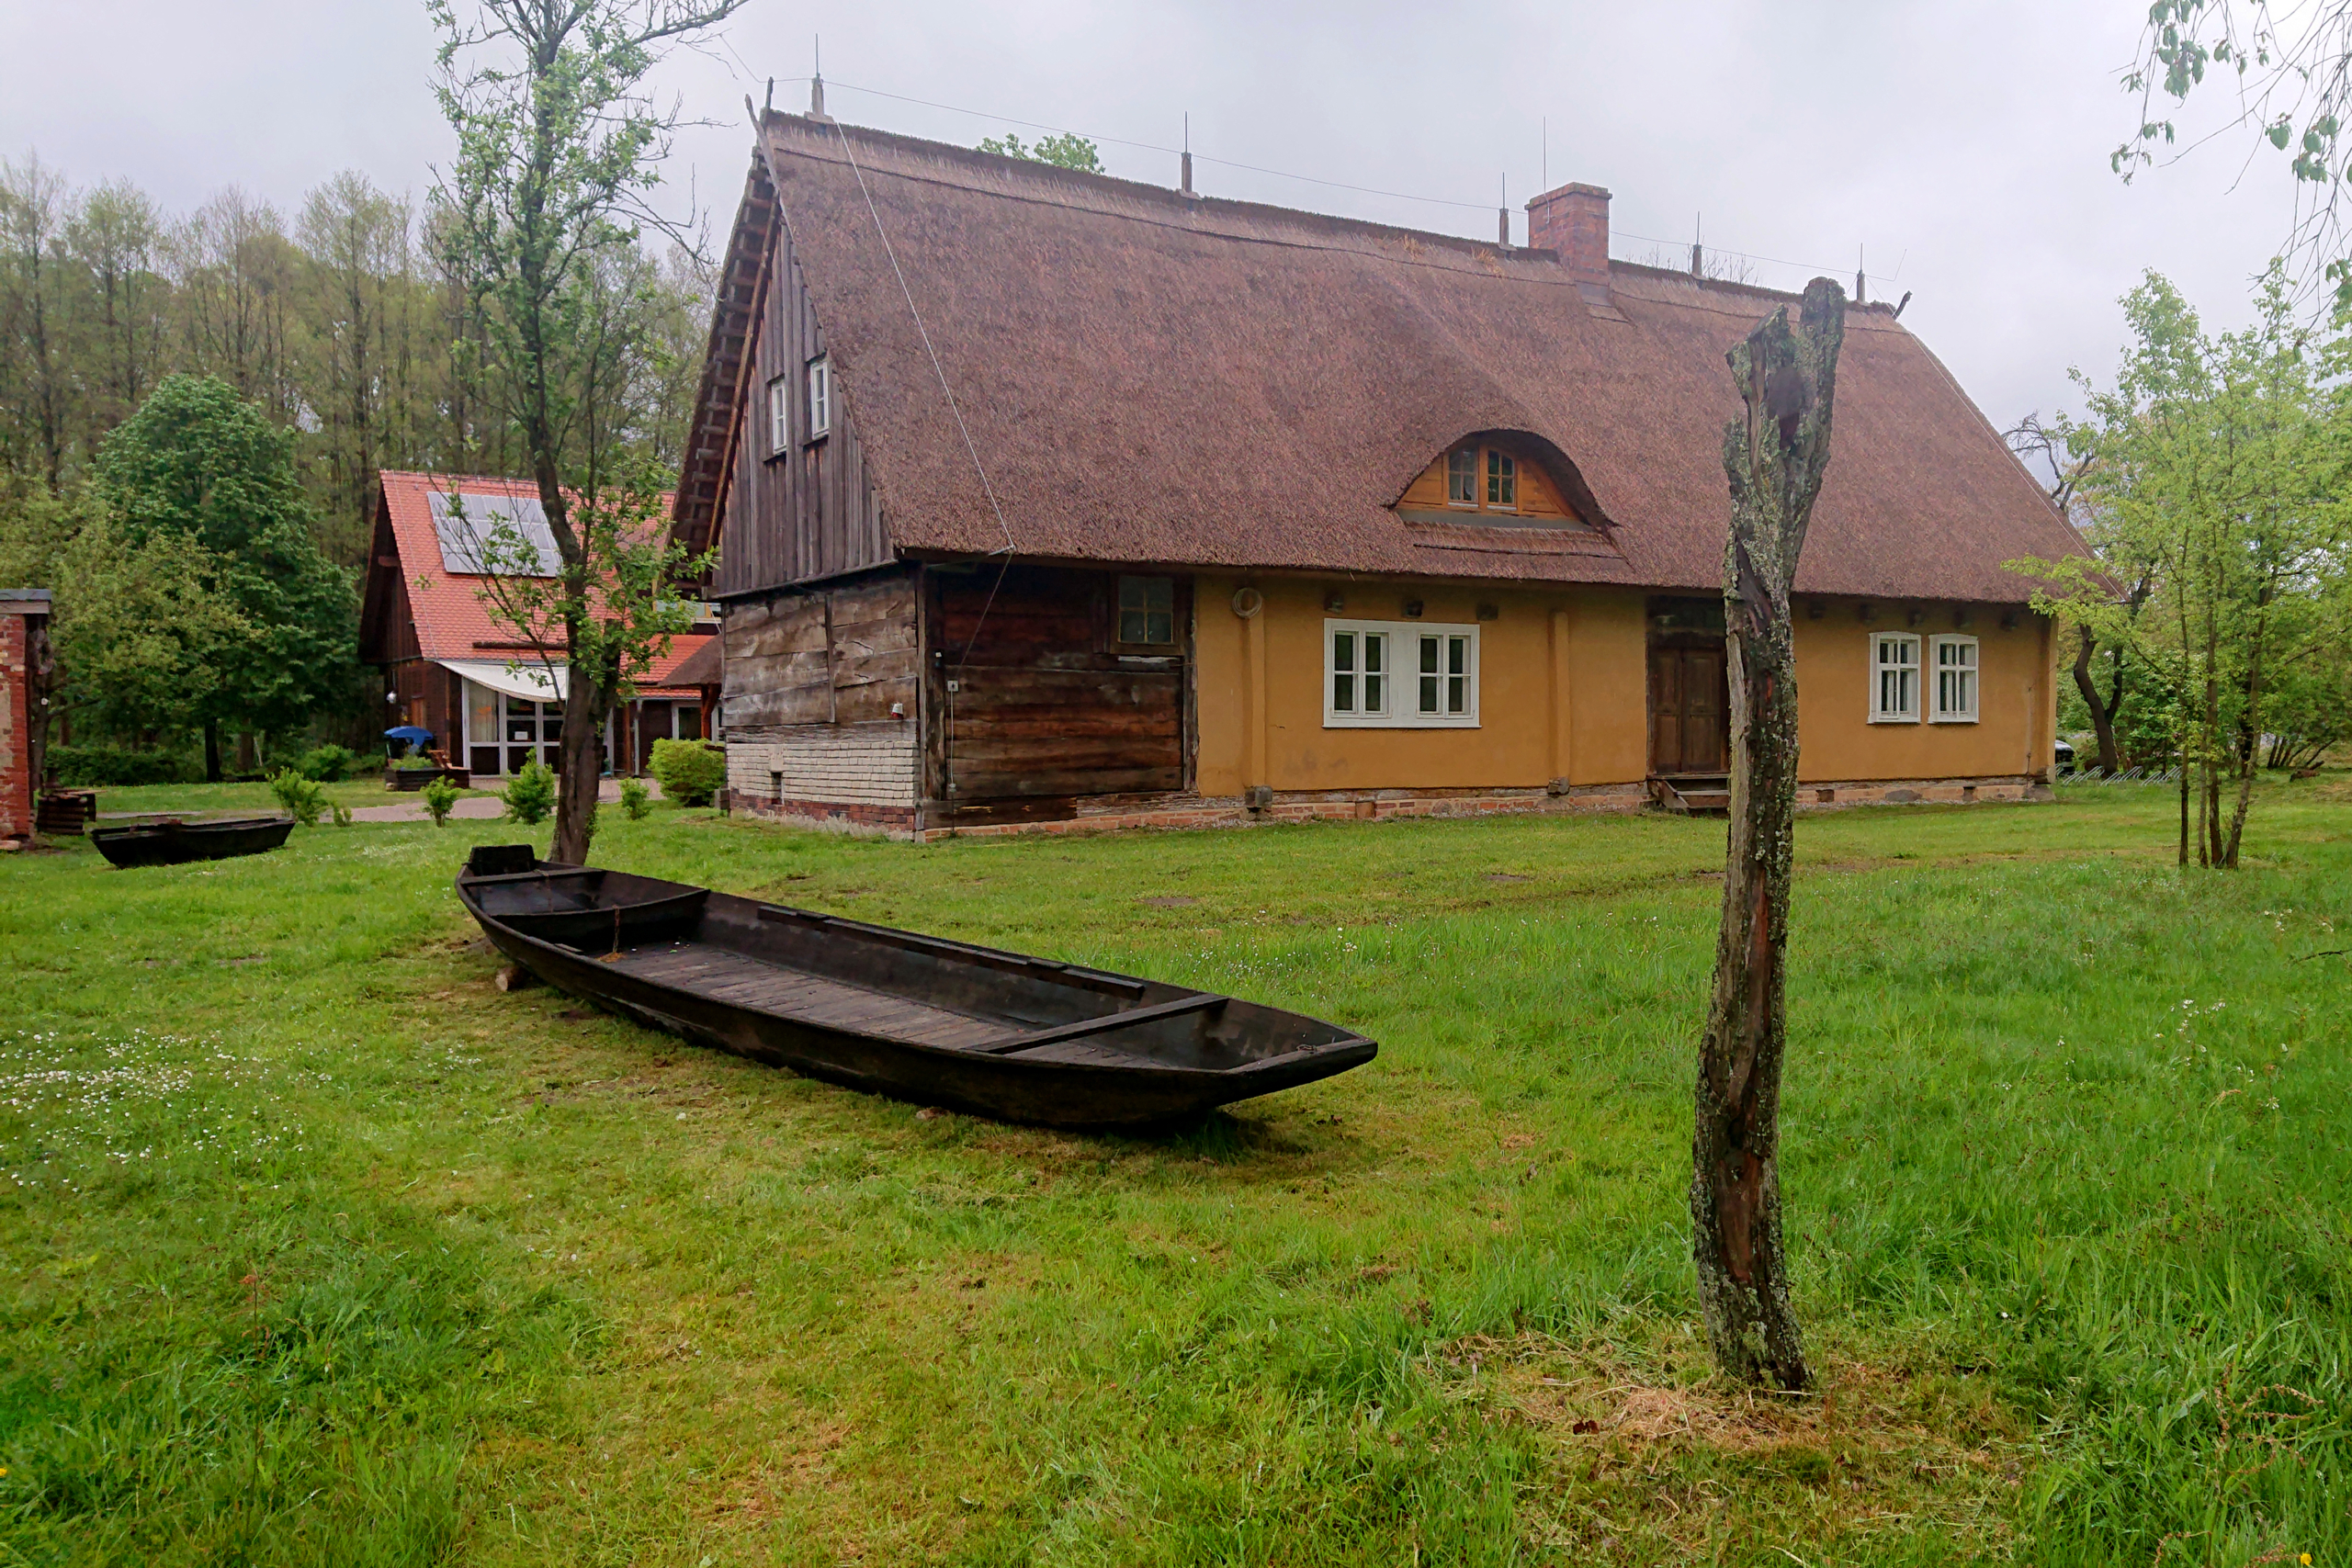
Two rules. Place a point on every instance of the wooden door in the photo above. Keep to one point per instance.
(1690, 711)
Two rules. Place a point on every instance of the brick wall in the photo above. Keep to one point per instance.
(846, 764)
(1573, 221)
(17, 781)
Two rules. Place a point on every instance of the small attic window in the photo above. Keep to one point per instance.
(1490, 481)
(1502, 480)
(820, 396)
(1461, 477)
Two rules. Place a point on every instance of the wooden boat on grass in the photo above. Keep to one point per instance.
(173, 841)
(915, 1017)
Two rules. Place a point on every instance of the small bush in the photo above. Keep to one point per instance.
(530, 794)
(636, 799)
(439, 796)
(302, 799)
(327, 764)
(342, 814)
(84, 767)
(691, 771)
(414, 762)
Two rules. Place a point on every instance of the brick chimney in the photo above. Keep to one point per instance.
(1573, 221)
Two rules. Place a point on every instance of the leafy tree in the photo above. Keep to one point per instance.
(146, 640)
(199, 462)
(2218, 463)
(1065, 150)
(560, 148)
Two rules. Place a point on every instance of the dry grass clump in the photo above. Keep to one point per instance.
(1646, 1456)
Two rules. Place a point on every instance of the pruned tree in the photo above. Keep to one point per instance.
(1774, 458)
(559, 147)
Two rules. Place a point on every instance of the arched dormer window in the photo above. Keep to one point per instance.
(1491, 479)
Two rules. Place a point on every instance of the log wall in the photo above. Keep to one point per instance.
(1037, 699)
(810, 680)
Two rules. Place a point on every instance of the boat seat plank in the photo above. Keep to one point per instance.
(1200, 1002)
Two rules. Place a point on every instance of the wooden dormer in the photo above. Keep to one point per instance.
(1490, 481)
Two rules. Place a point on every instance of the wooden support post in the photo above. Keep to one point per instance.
(1774, 459)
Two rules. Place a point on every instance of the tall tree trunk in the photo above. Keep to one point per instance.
(211, 751)
(2102, 715)
(1774, 460)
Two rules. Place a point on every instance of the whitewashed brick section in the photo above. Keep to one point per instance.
(849, 764)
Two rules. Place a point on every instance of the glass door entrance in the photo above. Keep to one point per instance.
(529, 724)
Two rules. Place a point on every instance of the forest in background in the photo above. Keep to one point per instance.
(344, 321)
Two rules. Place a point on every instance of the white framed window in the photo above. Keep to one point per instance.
(1399, 675)
(1952, 663)
(820, 396)
(1894, 678)
(780, 413)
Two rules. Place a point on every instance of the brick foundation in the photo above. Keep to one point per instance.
(840, 817)
(1109, 813)
(1908, 791)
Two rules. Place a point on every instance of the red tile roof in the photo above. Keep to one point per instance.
(451, 620)
(1152, 378)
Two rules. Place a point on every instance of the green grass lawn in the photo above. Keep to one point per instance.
(322, 1249)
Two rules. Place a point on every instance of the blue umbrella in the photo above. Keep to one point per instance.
(408, 732)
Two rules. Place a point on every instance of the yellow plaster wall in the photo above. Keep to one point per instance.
(1563, 684)
(2015, 699)
(1525, 733)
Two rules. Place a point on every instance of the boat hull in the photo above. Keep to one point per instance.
(177, 843)
(1029, 1086)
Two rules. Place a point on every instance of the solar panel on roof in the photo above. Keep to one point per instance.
(464, 523)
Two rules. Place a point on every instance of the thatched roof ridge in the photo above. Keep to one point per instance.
(1153, 378)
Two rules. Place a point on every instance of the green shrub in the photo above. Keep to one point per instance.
(691, 771)
(636, 799)
(414, 762)
(86, 766)
(439, 796)
(342, 814)
(302, 799)
(327, 764)
(530, 794)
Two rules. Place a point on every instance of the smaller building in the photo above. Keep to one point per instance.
(451, 668)
(24, 708)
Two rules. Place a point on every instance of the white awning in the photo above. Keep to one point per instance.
(528, 681)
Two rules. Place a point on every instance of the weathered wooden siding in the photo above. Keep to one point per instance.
(810, 680)
(809, 511)
(842, 654)
(1033, 700)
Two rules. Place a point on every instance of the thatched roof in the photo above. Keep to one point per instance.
(1153, 378)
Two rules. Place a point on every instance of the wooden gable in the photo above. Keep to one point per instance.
(1538, 503)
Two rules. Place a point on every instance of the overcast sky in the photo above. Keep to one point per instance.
(1961, 147)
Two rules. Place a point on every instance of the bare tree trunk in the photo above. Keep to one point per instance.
(2102, 715)
(1774, 461)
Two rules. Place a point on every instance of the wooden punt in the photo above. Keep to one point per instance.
(174, 842)
(918, 1018)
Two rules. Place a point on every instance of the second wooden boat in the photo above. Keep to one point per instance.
(916, 1017)
(175, 843)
